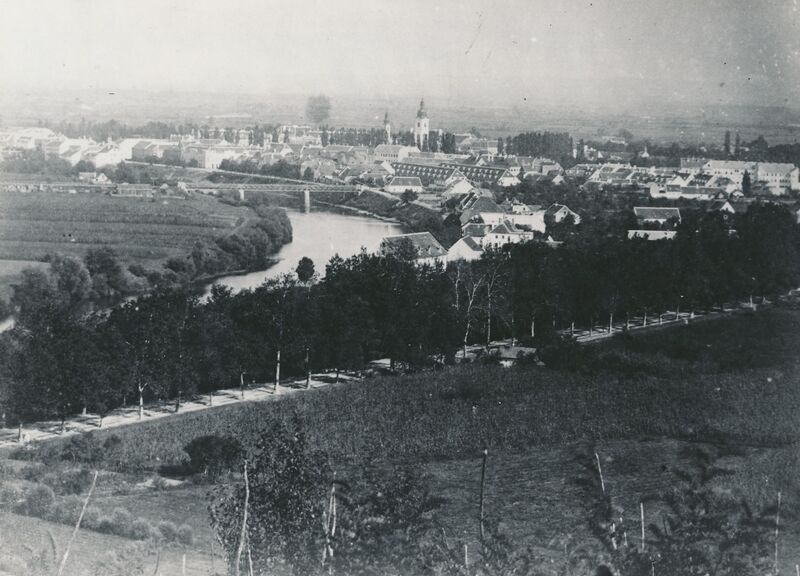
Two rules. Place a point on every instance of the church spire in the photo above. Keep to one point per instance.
(421, 113)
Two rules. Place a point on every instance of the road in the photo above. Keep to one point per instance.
(9, 437)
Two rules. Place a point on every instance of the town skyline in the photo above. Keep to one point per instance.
(596, 54)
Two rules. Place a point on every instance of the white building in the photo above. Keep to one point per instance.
(400, 184)
(468, 248)
(393, 152)
(778, 177)
(732, 169)
(421, 127)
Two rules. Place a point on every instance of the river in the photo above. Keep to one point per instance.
(320, 236)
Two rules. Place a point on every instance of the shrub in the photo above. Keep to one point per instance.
(105, 525)
(10, 497)
(122, 520)
(69, 481)
(168, 531)
(213, 455)
(185, 535)
(33, 472)
(141, 529)
(39, 501)
(84, 448)
(68, 509)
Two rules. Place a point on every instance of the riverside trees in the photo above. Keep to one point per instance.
(59, 360)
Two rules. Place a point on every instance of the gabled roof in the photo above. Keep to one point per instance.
(504, 228)
(484, 204)
(425, 245)
(410, 181)
(474, 229)
(554, 209)
(470, 243)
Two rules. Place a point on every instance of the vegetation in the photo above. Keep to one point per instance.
(171, 345)
(122, 243)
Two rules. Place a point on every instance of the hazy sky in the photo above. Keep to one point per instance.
(590, 52)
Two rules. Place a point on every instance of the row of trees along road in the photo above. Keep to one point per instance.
(171, 345)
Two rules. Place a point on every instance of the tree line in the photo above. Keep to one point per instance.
(58, 360)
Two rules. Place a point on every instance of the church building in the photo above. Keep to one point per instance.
(421, 127)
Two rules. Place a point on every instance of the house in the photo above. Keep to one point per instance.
(732, 169)
(557, 213)
(721, 206)
(459, 188)
(485, 208)
(479, 174)
(779, 177)
(400, 184)
(531, 217)
(506, 233)
(466, 248)
(476, 230)
(393, 152)
(429, 174)
(654, 215)
(422, 246)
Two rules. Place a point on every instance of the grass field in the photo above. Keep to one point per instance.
(36, 224)
(731, 382)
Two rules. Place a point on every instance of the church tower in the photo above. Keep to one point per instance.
(387, 129)
(421, 127)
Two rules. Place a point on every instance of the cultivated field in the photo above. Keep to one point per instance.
(141, 230)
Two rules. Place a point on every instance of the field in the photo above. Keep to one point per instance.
(729, 384)
(140, 230)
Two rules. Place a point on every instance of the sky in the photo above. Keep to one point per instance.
(593, 53)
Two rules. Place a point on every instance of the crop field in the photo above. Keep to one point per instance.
(35, 224)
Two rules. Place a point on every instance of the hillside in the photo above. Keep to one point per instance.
(656, 398)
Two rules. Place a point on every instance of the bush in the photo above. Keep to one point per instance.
(10, 497)
(68, 510)
(33, 472)
(213, 455)
(168, 531)
(122, 520)
(185, 535)
(141, 529)
(39, 501)
(84, 448)
(105, 525)
(69, 481)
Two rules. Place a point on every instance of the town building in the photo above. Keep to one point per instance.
(421, 246)
(400, 184)
(392, 152)
(421, 127)
(467, 248)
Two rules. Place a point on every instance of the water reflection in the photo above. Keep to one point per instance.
(320, 236)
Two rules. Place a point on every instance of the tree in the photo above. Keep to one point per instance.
(308, 173)
(318, 108)
(408, 196)
(500, 146)
(288, 486)
(727, 143)
(305, 270)
(746, 184)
